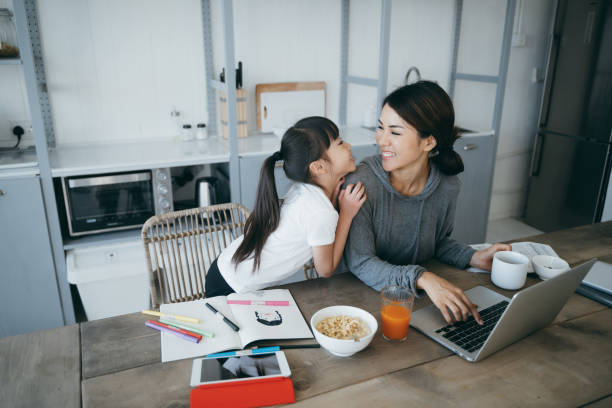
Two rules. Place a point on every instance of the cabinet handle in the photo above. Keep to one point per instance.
(470, 146)
(279, 164)
(2, 193)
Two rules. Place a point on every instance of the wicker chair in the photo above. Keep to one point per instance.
(180, 247)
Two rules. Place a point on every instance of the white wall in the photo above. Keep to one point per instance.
(116, 69)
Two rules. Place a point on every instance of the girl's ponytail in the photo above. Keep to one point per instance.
(265, 216)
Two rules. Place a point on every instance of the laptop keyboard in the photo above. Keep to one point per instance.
(469, 335)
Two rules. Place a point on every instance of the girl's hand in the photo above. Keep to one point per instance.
(351, 199)
(334, 199)
(447, 296)
(483, 259)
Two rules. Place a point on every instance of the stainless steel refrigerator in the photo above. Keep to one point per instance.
(571, 159)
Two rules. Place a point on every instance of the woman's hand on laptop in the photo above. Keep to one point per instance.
(483, 259)
(447, 296)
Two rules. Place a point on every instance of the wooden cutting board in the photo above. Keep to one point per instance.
(280, 105)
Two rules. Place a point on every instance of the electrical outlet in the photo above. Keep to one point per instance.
(28, 137)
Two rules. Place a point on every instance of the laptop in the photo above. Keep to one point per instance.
(506, 320)
(597, 284)
(600, 277)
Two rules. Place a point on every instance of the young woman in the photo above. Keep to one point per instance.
(279, 239)
(412, 189)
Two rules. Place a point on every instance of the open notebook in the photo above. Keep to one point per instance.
(280, 319)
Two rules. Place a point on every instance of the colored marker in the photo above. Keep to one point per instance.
(171, 322)
(187, 332)
(220, 316)
(248, 352)
(259, 302)
(184, 336)
(177, 317)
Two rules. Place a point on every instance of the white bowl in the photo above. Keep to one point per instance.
(343, 348)
(547, 266)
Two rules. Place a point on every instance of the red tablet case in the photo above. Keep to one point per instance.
(259, 392)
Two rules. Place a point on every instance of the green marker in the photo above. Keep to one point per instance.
(187, 327)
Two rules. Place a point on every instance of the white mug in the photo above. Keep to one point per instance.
(509, 269)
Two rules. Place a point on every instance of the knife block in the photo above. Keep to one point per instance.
(241, 110)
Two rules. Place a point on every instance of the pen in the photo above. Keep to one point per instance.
(247, 352)
(171, 322)
(177, 317)
(259, 302)
(220, 316)
(167, 330)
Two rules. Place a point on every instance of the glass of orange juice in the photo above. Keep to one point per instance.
(395, 312)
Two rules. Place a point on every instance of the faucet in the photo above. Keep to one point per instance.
(410, 71)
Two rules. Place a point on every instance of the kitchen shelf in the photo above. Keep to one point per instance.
(11, 61)
(102, 239)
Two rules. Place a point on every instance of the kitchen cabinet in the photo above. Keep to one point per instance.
(29, 296)
(250, 166)
(478, 154)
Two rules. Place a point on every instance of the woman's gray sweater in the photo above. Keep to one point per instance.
(392, 233)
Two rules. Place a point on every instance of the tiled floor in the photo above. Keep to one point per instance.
(507, 229)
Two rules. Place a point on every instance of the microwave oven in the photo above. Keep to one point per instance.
(116, 201)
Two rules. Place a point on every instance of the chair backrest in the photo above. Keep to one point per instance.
(180, 247)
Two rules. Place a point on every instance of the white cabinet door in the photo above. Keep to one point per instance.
(29, 296)
(475, 195)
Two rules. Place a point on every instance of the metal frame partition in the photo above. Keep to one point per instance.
(383, 59)
(230, 80)
(229, 84)
(498, 80)
(28, 37)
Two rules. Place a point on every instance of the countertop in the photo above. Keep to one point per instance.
(91, 158)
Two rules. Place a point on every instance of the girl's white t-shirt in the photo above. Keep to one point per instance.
(307, 219)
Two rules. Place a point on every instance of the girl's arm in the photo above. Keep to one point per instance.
(327, 257)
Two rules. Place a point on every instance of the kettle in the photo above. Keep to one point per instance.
(207, 191)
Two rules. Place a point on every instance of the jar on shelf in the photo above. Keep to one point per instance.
(187, 133)
(201, 131)
(8, 35)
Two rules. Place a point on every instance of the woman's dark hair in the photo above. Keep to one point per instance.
(429, 109)
(305, 142)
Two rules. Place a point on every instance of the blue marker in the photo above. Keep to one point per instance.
(262, 350)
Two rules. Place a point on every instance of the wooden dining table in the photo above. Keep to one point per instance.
(115, 362)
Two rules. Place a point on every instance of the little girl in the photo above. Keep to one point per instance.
(279, 239)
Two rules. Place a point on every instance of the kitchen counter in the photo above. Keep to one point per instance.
(90, 158)
(23, 171)
(268, 143)
(18, 159)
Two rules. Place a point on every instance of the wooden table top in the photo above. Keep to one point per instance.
(118, 363)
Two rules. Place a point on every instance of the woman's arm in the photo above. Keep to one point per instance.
(327, 257)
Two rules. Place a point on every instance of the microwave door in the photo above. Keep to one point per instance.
(109, 202)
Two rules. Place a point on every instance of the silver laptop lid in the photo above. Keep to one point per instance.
(534, 308)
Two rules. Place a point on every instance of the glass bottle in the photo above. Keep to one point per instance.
(8, 35)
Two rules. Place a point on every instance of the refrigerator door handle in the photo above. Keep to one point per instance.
(549, 78)
(536, 160)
